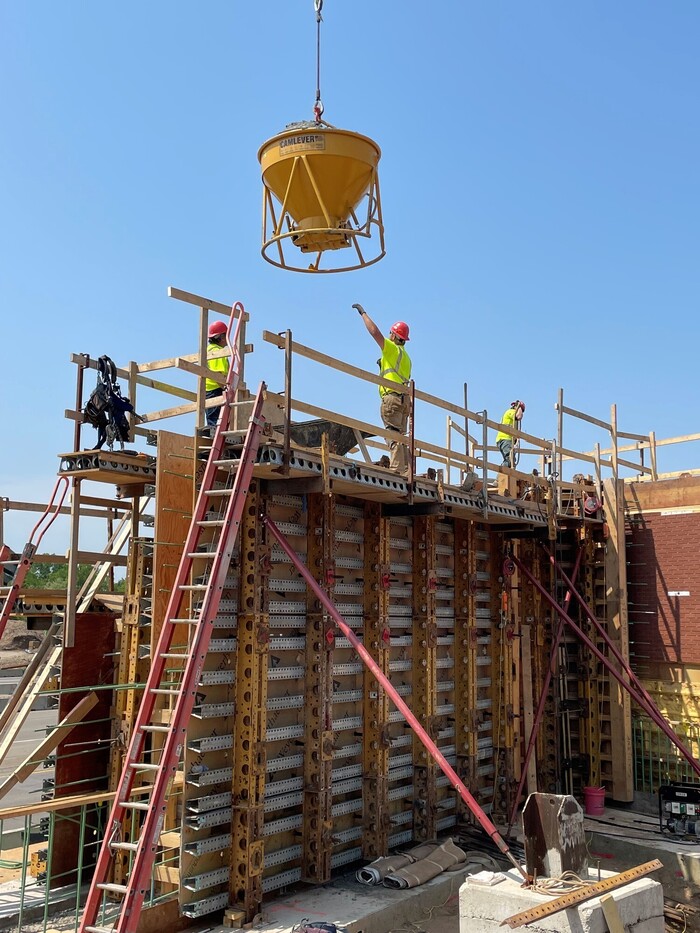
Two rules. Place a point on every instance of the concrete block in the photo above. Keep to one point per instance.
(482, 910)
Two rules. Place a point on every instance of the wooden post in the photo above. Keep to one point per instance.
(613, 439)
(618, 631)
(79, 401)
(241, 387)
(598, 475)
(201, 383)
(652, 455)
(448, 446)
(131, 392)
(485, 469)
(466, 425)
(560, 432)
(72, 580)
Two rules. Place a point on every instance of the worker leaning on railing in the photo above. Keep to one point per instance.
(504, 442)
(395, 366)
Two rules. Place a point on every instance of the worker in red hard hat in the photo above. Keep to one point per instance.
(511, 418)
(218, 364)
(395, 366)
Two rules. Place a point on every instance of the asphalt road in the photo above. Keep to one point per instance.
(33, 731)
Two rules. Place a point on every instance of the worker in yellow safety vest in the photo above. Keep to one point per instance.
(511, 417)
(395, 366)
(217, 341)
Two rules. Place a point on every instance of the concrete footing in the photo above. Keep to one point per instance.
(640, 905)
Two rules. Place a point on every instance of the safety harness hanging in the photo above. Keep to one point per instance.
(106, 408)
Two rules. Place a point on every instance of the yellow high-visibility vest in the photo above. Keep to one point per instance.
(219, 365)
(509, 420)
(395, 365)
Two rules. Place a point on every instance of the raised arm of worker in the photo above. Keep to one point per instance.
(370, 325)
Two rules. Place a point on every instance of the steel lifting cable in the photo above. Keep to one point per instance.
(318, 103)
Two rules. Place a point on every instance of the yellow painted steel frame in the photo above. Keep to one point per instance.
(375, 734)
(424, 675)
(505, 674)
(465, 653)
(132, 668)
(318, 695)
(281, 235)
(249, 773)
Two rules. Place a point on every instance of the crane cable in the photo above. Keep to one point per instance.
(318, 104)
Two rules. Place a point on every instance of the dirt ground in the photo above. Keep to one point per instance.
(17, 644)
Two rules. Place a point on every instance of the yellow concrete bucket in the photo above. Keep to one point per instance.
(321, 195)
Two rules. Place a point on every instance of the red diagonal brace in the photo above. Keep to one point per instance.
(640, 698)
(401, 706)
(617, 654)
(543, 696)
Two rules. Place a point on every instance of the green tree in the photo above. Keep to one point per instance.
(54, 576)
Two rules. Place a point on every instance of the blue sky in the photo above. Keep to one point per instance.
(539, 180)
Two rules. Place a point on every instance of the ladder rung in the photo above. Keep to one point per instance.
(161, 691)
(184, 621)
(126, 846)
(207, 554)
(227, 463)
(142, 766)
(219, 492)
(151, 728)
(193, 586)
(210, 523)
(100, 930)
(134, 805)
(110, 886)
(171, 654)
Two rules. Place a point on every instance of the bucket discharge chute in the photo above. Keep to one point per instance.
(321, 195)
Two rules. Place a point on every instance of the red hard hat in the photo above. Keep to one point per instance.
(518, 403)
(218, 327)
(401, 330)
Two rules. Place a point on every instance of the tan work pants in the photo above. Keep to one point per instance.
(395, 410)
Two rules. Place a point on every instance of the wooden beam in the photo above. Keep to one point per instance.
(565, 410)
(100, 557)
(65, 726)
(201, 302)
(25, 692)
(612, 914)
(164, 387)
(56, 805)
(350, 370)
(171, 361)
(168, 413)
(642, 445)
(9, 504)
(202, 371)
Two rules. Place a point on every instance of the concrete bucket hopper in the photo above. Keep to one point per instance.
(321, 196)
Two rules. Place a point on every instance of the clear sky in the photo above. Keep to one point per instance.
(540, 182)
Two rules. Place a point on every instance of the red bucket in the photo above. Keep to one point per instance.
(594, 801)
